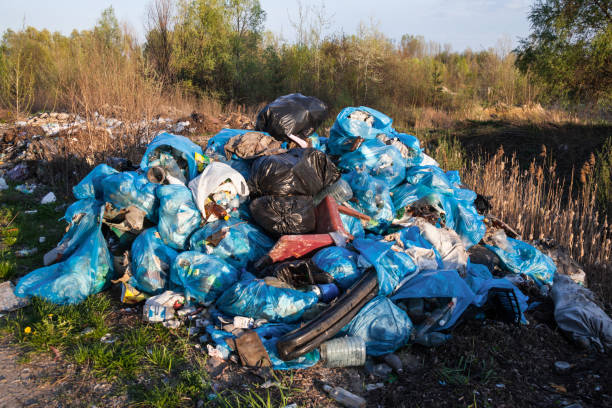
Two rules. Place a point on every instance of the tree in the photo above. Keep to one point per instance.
(158, 46)
(570, 48)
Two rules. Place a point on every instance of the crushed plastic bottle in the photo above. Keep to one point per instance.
(344, 397)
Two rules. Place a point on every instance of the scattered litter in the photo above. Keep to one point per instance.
(344, 397)
(8, 300)
(25, 252)
(18, 173)
(372, 387)
(193, 331)
(26, 188)
(3, 185)
(41, 240)
(29, 212)
(48, 198)
(562, 367)
(343, 352)
(500, 386)
(108, 338)
(86, 331)
(161, 307)
(172, 323)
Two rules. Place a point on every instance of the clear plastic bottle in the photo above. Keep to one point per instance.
(348, 399)
(340, 191)
(343, 352)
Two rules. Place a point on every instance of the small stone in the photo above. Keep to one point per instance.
(562, 367)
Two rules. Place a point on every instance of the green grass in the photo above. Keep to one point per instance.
(468, 370)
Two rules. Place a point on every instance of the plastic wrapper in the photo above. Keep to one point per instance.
(378, 159)
(382, 325)
(293, 114)
(297, 172)
(521, 258)
(178, 215)
(284, 215)
(203, 277)
(188, 155)
(391, 267)
(151, 262)
(235, 241)
(258, 300)
(340, 263)
(373, 199)
(131, 188)
(91, 185)
(87, 271)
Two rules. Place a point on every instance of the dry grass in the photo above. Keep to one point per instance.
(538, 204)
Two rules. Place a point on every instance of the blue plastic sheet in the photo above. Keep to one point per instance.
(131, 188)
(411, 237)
(179, 216)
(378, 159)
(522, 258)
(382, 325)
(436, 284)
(391, 267)
(203, 277)
(189, 151)
(91, 185)
(86, 272)
(340, 263)
(256, 299)
(151, 261)
(242, 244)
(373, 198)
(345, 129)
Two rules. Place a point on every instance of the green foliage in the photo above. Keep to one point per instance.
(570, 49)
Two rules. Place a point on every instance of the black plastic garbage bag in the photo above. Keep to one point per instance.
(300, 272)
(297, 172)
(293, 114)
(284, 215)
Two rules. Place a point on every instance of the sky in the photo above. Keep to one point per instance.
(475, 24)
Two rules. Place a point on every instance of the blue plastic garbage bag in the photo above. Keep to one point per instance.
(254, 298)
(382, 325)
(179, 216)
(235, 241)
(408, 145)
(521, 258)
(378, 159)
(391, 267)
(481, 281)
(83, 217)
(216, 144)
(430, 176)
(91, 185)
(352, 225)
(86, 272)
(189, 151)
(131, 188)
(352, 123)
(436, 284)
(340, 263)
(411, 237)
(203, 277)
(151, 262)
(373, 199)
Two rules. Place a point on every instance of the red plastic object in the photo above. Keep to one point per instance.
(328, 218)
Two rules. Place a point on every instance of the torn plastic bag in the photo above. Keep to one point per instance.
(352, 225)
(521, 258)
(86, 272)
(391, 267)
(178, 215)
(151, 262)
(382, 325)
(251, 145)
(354, 123)
(203, 277)
(292, 215)
(378, 159)
(481, 281)
(293, 114)
(188, 155)
(438, 284)
(298, 273)
(297, 172)
(258, 300)
(91, 185)
(422, 252)
(446, 242)
(408, 146)
(373, 199)
(214, 179)
(339, 263)
(235, 241)
(131, 188)
(577, 314)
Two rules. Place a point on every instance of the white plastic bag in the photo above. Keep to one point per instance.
(213, 176)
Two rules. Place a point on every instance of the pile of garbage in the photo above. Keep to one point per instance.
(282, 248)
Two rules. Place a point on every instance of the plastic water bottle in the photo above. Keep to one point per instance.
(344, 352)
(348, 399)
(340, 191)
